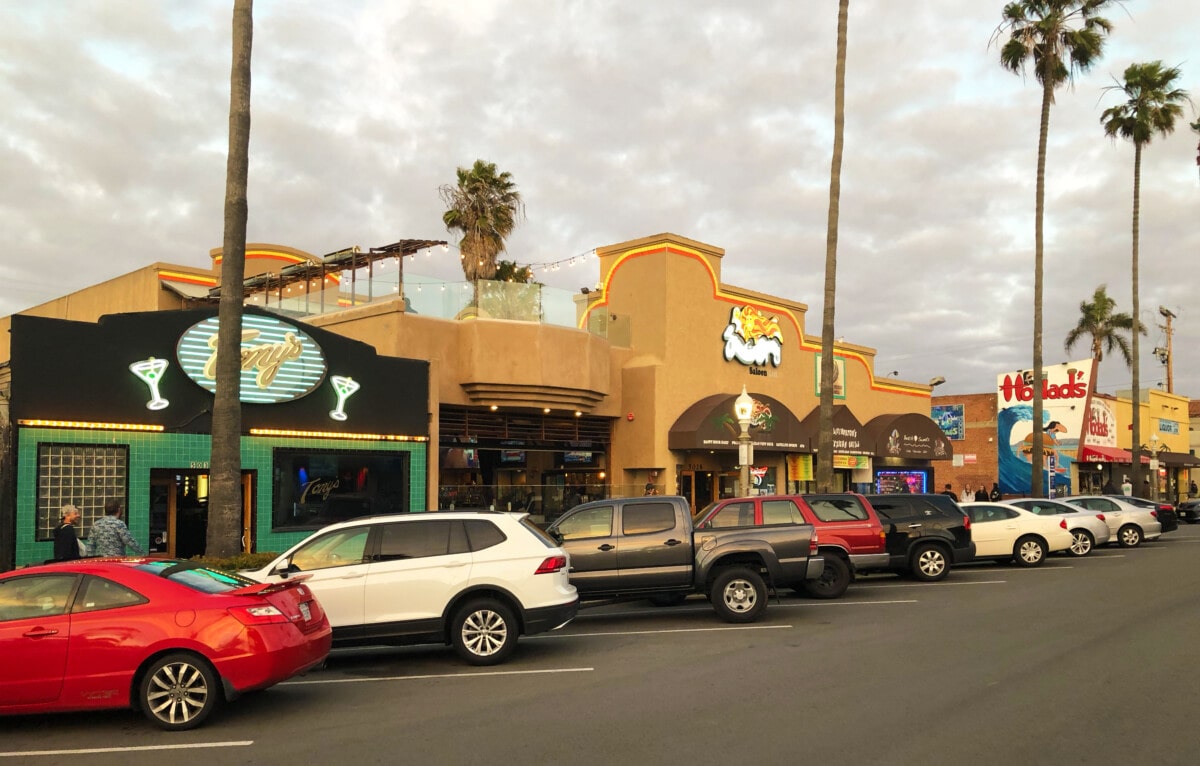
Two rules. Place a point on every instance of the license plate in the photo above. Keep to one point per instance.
(305, 611)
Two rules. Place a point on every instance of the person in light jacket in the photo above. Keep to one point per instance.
(110, 536)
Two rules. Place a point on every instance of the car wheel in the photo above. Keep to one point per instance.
(1082, 542)
(928, 563)
(1130, 536)
(1029, 551)
(179, 691)
(739, 594)
(484, 632)
(668, 599)
(833, 580)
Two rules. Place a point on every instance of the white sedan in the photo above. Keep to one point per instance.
(1088, 528)
(1004, 532)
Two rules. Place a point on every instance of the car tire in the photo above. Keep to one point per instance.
(484, 632)
(738, 594)
(1029, 551)
(929, 563)
(1082, 543)
(668, 599)
(834, 580)
(1129, 536)
(179, 691)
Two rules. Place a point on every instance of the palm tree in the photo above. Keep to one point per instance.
(824, 473)
(225, 495)
(1097, 321)
(485, 207)
(1152, 105)
(1060, 38)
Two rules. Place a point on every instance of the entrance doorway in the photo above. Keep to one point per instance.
(700, 487)
(179, 512)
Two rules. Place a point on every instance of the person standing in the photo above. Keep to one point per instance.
(967, 494)
(1108, 488)
(1192, 490)
(110, 536)
(949, 490)
(66, 541)
(995, 495)
(981, 494)
(1126, 487)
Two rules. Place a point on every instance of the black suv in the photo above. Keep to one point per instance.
(926, 534)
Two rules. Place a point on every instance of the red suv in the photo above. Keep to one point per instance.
(849, 533)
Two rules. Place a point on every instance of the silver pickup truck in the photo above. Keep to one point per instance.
(645, 546)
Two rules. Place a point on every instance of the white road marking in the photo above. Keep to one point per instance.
(656, 632)
(94, 750)
(437, 675)
(927, 585)
(839, 602)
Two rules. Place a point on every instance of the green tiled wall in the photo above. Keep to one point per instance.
(162, 450)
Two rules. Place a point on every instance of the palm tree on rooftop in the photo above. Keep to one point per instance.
(1057, 38)
(485, 207)
(1152, 105)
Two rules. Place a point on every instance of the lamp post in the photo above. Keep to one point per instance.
(1154, 447)
(743, 407)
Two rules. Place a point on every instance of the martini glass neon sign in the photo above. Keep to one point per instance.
(345, 388)
(150, 371)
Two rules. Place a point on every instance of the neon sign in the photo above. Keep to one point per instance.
(345, 388)
(279, 361)
(150, 371)
(752, 337)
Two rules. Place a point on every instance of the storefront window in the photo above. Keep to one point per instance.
(312, 489)
(84, 475)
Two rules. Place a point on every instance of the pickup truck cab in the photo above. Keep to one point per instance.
(851, 538)
(646, 546)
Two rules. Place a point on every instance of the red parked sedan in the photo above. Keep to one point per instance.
(171, 638)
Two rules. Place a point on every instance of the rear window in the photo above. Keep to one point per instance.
(831, 509)
(196, 577)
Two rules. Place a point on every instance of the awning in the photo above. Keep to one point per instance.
(1093, 454)
(711, 424)
(908, 435)
(1178, 460)
(848, 435)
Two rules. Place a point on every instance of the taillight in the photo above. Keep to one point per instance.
(1154, 514)
(812, 544)
(1063, 523)
(552, 565)
(966, 522)
(1101, 517)
(258, 615)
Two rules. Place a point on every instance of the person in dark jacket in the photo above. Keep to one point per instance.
(66, 541)
(995, 495)
(981, 494)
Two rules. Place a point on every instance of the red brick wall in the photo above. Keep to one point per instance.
(977, 448)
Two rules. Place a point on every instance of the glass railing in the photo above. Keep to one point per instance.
(544, 502)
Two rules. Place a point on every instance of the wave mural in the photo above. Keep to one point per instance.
(1013, 423)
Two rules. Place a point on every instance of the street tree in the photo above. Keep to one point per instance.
(1152, 105)
(225, 488)
(1056, 39)
(1105, 328)
(824, 473)
(485, 207)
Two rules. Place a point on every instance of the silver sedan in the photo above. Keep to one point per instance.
(1088, 528)
(1130, 524)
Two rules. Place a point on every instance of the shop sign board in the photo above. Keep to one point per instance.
(1066, 392)
(951, 419)
(753, 338)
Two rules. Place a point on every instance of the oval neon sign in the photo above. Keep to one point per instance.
(280, 362)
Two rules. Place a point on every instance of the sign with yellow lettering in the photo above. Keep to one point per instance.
(280, 362)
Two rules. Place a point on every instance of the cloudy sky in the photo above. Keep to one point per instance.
(619, 119)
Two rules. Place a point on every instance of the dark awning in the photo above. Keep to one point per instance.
(1178, 460)
(908, 435)
(711, 424)
(847, 431)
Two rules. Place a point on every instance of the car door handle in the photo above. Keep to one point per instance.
(450, 564)
(913, 526)
(673, 541)
(40, 633)
(606, 547)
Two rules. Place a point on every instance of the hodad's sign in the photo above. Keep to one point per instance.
(280, 362)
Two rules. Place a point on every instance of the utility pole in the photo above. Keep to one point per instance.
(1164, 354)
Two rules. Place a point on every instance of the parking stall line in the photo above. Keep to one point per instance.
(812, 604)
(657, 632)
(436, 675)
(132, 749)
(927, 585)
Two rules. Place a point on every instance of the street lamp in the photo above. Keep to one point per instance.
(1154, 447)
(743, 407)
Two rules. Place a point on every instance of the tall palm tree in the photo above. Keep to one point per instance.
(824, 473)
(1152, 105)
(1097, 321)
(225, 494)
(1059, 38)
(485, 206)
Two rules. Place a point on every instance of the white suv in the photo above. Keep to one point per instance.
(476, 580)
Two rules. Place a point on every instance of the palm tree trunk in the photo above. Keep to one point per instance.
(1136, 394)
(824, 474)
(1035, 457)
(225, 496)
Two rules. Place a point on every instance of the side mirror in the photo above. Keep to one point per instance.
(282, 569)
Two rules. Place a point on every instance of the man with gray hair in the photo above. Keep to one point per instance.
(110, 536)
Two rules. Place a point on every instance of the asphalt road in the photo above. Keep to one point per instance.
(1080, 661)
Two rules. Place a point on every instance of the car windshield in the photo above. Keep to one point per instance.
(196, 577)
